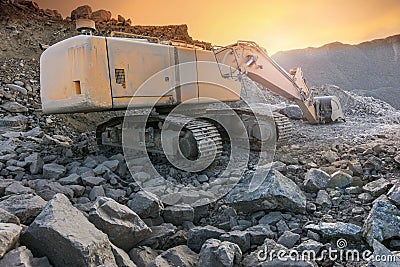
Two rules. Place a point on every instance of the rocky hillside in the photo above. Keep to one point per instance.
(369, 68)
(65, 202)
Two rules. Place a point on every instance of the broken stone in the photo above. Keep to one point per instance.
(288, 239)
(377, 187)
(181, 256)
(53, 171)
(17, 188)
(381, 252)
(159, 235)
(178, 214)
(340, 179)
(240, 238)
(22, 257)
(97, 191)
(315, 180)
(6, 217)
(323, 199)
(36, 163)
(14, 107)
(26, 206)
(101, 15)
(275, 192)
(66, 237)
(121, 257)
(219, 254)
(259, 233)
(199, 234)
(330, 156)
(73, 179)
(47, 189)
(142, 256)
(82, 12)
(145, 204)
(292, 111)
(123, 226)
(17, 88)
(394, 194)
(9, 235)
(337, 229)
(93, 181)
(383, 222)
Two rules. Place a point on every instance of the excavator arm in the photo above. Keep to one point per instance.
(252, 60)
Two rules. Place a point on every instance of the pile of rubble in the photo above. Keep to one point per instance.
(63, 202)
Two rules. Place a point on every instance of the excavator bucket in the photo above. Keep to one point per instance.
(328, 109)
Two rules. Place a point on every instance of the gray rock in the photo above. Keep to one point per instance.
(383, 222)
(271, 218)
(97, 191)
(123, 226)
(323, 199)
(219, 254)
(9, 235)
(22, 257)
(337, 229)
(142, 256)
(66, 237)
(116, 194)
(275, 192)
(178, 214)
(181, 256)
(315, 180)
(6, 217)
(145, 204)
(77, 189)
(293, 112)
(394, 194)
(93, 181)
(373, 164)
(159, 235)
(330, 156)
(17, 88)
(36, 163)
(240, 238)
(259, 233)
(288, 239)
(377, 187)
(365, 198)
(14, 107)
(111, 164)
(121, 257)
(202, 178)
(340, 179)
(73, 179)
(101, 169)
(53, 171)
(47, 189)
(198, 235)
(26, 207)
(381, 252)
(17, 188)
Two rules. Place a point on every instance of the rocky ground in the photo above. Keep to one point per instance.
(64, 202)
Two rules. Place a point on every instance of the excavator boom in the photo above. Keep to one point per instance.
(253, 61)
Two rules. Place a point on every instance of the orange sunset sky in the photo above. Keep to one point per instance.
(275, 25)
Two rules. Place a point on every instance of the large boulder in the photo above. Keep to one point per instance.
(275, 192)
(6, 217)
(181, 256)
(22, 257)
(66, 237)
(9, 235)
(101, 15)
(142, 255)
(26, 206)
(82, 12)
(123, 226)
(219, 254)
(383, 222)
(159, 235)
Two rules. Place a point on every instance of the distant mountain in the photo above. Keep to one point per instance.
(369, 68)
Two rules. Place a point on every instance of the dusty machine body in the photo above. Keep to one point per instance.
(89, 73)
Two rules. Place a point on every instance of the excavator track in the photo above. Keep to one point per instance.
(206, 135)
(284, 128)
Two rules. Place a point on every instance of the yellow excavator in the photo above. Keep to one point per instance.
(88, 73)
